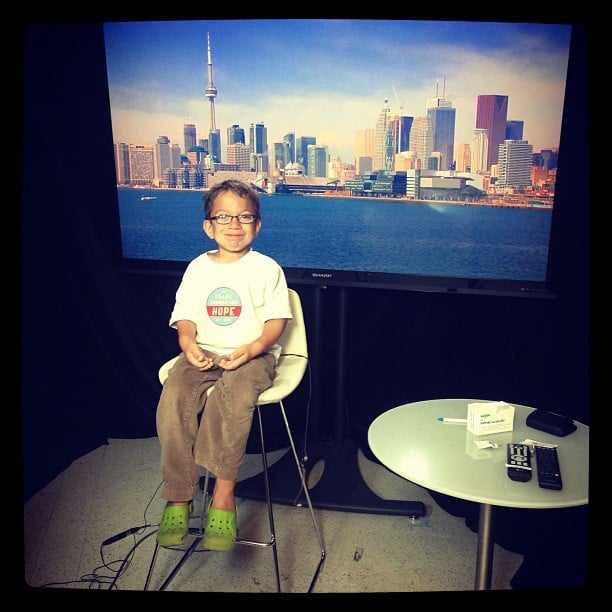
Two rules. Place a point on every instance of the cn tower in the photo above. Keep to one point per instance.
(211, 91)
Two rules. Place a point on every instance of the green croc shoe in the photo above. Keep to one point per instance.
(220, 533)
(174, 525)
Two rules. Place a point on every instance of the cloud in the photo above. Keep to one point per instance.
(332, 91)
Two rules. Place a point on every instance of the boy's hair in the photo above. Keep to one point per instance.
(239, 188)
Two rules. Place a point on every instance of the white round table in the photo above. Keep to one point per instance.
(442, 456)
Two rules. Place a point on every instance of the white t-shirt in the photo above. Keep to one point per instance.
(229, 303)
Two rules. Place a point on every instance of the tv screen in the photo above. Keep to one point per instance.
(406, 154)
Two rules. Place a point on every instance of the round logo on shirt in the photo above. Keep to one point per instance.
(223, 306)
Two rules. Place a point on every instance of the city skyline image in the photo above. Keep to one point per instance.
(329, 79)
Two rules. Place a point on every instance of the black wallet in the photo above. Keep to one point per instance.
(551, 423)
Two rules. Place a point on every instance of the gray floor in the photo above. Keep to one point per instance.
(116, 487)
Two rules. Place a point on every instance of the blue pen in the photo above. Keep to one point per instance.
(449, 420)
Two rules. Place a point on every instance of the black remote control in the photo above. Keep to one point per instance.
(549, 474)
(519, 462)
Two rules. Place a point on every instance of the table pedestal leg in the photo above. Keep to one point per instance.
(484, 556)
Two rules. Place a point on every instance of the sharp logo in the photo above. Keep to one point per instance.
(321, 275)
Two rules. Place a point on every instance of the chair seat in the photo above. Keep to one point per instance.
(289, 372)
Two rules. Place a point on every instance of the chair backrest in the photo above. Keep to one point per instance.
(293, 359)
(293, 339)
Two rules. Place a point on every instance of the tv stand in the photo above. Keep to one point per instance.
(341, 485)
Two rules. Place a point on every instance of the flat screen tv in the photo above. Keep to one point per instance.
(419, 155)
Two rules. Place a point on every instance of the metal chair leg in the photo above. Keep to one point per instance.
(272, 541)
(304, 484)
(176, 569)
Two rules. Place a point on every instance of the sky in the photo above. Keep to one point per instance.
(329, 78)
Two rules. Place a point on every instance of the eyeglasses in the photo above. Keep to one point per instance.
(244, 218)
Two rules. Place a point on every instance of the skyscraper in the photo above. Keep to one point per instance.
(421, 139)
(189, 137)
(402, 139)
(235, 135)
(492, 114)
(258, 138)
(317, 160)
(364, 150)
(463, 157)
(383, 141)
(175, 152)
(301, 150)
(514, 164)
(289, 138)
(479, 150)
(442, 119)
(258, 144)
(122, 163)
(163, 159)
(281, 154)
(239, 155)
(142, 165)
(514, 129)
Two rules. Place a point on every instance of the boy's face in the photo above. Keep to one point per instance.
(233, 239)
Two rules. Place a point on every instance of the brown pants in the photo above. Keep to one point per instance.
(217, 439)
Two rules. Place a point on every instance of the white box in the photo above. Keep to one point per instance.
(490, 417)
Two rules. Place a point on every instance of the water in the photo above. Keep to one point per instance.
(367, 235)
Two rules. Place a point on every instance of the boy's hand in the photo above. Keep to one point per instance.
(199, 359)
(239, 357)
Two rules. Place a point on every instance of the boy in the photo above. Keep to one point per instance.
(231, 308)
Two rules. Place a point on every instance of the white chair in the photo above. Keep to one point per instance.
(290, 370)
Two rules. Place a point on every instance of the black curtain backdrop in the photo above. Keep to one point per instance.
(93, 336)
